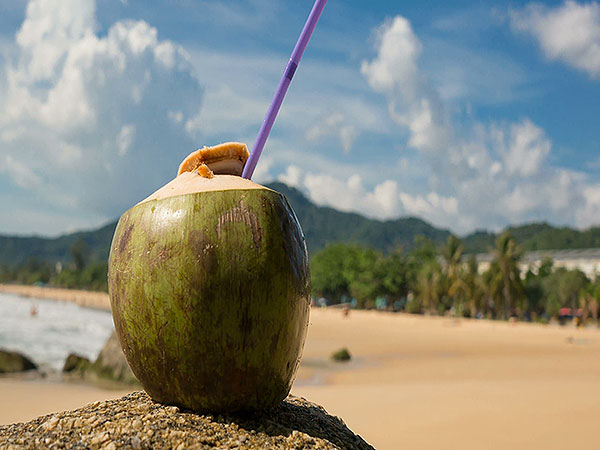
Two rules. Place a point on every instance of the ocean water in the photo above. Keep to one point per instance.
(59, 328)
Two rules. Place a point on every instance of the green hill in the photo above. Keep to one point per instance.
(537, 236)
(15, 250)
(321, 225)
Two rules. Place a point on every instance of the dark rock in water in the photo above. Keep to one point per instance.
(76, 364)
(111, 362)
(11, 362)
(137, 422)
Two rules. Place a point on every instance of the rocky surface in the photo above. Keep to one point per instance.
(137, 422)
(12, 362)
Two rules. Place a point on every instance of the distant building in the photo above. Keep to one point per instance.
(587, 260)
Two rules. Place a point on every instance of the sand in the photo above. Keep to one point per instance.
(89, 299)
(424, 382)
(433, 383)
(23, 400)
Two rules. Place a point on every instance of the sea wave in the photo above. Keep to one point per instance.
(57, 329)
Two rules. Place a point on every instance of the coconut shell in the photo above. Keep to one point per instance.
(210, 291)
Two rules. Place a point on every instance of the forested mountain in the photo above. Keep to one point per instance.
(321, 225)
(15, 250)
(537, 236)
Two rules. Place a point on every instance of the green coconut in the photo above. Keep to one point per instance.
(210, 291)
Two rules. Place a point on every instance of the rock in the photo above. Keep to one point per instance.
(11, 362)
(341, 355)
(111, 362)
(110, 365)
(294, 424)
(76, 364)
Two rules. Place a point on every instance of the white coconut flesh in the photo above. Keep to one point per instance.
(219, 163)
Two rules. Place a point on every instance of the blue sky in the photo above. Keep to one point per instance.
(470, 115)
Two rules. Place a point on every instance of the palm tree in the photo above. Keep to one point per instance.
(452, 254)
(430, 281)
(507, 255)
(491, 285)
(468, 287)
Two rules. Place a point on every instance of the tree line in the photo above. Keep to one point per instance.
(79, 273)
(444, 281)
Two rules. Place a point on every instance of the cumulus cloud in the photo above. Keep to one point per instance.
(482, 175)
(350, 194)
(413, 103)
(525, 152)
(96, 119)
(569, 33)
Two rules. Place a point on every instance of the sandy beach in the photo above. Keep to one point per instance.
(89, 299)
(422, 382)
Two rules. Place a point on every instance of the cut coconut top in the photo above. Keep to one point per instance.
(215, 168)
(225, 159)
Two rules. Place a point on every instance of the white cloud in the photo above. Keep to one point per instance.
(589, 214)
(482, 175)
(395, 67)
(346, 194)
(569, 33)
(527, 149)
(413, 103)
(385, 195)
(291, 177)
(125, 139)
(49, 28)
(334, 124)
(97, 120)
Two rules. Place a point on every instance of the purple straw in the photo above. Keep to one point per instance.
(286, 79)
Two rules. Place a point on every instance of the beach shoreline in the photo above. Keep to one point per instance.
(88, 299)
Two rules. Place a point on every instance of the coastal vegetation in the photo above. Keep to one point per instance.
(444, 280)
(427, 279)
(82, 272)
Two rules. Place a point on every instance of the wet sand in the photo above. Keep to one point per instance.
(423, 382)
